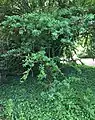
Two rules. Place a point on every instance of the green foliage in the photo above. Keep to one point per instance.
(19, 7)
(56, 33)
(34, 42)
(59, 100)
(85, 73)
(46, 66)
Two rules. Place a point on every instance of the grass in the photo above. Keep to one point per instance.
(69, 99)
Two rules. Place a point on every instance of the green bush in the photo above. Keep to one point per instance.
(56, 34)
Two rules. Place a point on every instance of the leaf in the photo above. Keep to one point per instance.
(21, 32)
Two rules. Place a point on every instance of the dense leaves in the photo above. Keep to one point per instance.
(58, 100)
(57, 34)
(34, 36)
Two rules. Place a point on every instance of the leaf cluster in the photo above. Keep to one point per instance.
(54, 33)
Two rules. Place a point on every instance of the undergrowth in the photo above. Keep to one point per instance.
(60, 100)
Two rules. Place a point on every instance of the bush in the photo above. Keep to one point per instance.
(56, 34)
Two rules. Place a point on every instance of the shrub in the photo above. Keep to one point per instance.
(57, 34)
